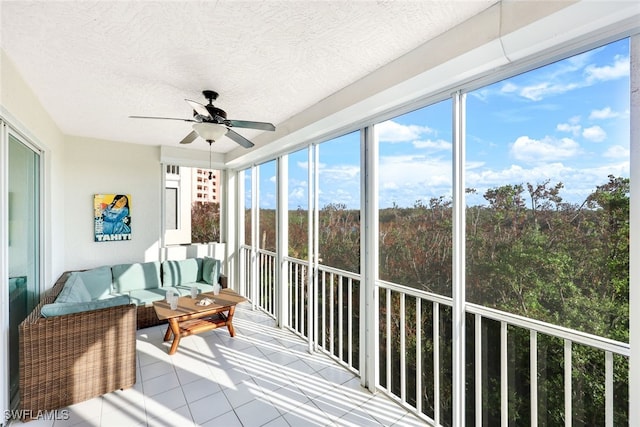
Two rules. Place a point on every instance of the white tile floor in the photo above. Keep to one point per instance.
(263, 377)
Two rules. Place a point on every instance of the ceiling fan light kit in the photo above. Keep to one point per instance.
(211, 123)
(210, 131)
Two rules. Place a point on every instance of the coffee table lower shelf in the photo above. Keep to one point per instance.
(197, 326)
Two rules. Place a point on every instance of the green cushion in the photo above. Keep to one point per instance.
(62, 308)
(74, 290)
(97, 281)
(147, 296)
(210, 270)
(185, 288)
(129, 277)
(175, 273)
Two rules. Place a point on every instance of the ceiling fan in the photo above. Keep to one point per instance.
(211, 123)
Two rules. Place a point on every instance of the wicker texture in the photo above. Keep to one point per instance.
(71, 358)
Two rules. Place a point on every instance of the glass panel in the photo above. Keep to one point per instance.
(548, 199)
(339, 202)
(267, 202)
(192, 205)
(24, 249)
(547, 233)
(247, 206)
(171, 208)
(205, 205)
(415, 199)
(299, 204)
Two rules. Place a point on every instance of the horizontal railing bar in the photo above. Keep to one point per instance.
(441, 299)
(266, 252)
(578, 337)
(327, 269)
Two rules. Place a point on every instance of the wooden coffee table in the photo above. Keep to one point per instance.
(190, 318)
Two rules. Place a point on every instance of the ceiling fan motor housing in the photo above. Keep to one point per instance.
(214, 111)
(210, 95)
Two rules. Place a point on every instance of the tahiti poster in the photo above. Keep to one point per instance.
(112, 217)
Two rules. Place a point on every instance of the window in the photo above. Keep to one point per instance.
(192, 213)
(547, 233)
(298, 217)
(415, 199)
(339, 202)
(548, 179)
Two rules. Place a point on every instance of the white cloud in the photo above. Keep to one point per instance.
(617, 152)
(578, 183)
(567, 127)
(563, 77)
(406, 179)
(605, 113)
(297, 195)
(544, 150)
(541, 90)
(391, 131)
(619, 68)
(508, 87)
(594, 133)
(437, 145)
(339, 172)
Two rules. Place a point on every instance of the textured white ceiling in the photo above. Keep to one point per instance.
(94, 63)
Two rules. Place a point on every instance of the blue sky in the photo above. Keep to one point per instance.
(566, 122)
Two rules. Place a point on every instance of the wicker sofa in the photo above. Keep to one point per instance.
(147, 282)
(74, 357)
(71, 352)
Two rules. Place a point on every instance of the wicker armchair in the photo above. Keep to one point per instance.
(71, 358)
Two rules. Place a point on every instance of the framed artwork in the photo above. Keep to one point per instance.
(111, 217)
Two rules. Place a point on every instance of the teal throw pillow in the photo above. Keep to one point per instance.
(210, 270)
(74, 290)
(98, 281)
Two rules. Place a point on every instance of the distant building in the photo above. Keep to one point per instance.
(205, 185)
(183, 187)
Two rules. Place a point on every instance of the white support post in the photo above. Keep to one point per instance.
(369, 311)
(458, 291)
(255, 222)
(232, 231)
(634, 235)
(313, 245)
(282, 248)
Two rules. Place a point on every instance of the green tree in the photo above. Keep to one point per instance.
(205, 222)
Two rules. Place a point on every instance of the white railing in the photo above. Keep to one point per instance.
(336, 306)
(265, 271)
(416, 326)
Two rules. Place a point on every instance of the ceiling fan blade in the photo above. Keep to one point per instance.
(239, 139)
(161, 118)
(250, 125)
(198, 108)
(189, 138)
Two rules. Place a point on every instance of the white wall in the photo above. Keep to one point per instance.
(21, 110)
(20, 107)
(95, 167)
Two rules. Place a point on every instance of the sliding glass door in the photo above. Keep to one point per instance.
(24, 243)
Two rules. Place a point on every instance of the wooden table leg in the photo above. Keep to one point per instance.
(232, 331)
(175, 329)
(167, 335)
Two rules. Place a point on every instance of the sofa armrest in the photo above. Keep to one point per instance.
(223, 281)
(63, 308)
(70, 358)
